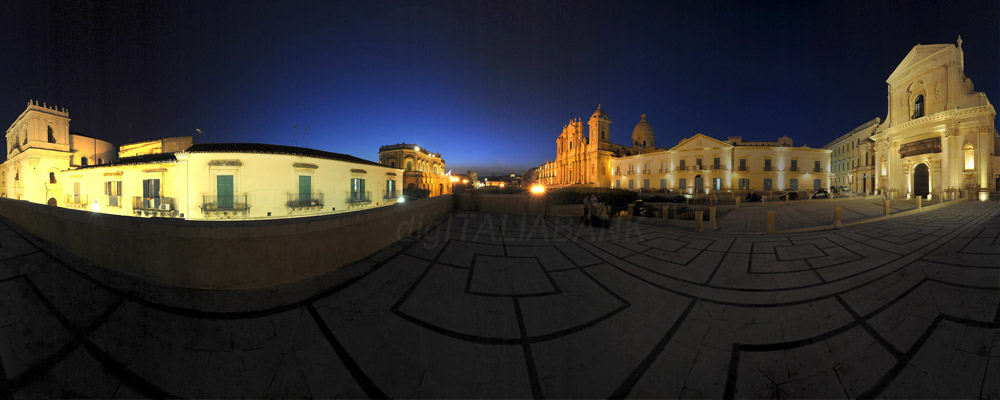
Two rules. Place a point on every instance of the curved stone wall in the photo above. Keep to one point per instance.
(229, 254)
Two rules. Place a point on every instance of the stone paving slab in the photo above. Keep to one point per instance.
(505, 306)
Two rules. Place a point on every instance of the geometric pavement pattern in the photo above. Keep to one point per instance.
(486, 305)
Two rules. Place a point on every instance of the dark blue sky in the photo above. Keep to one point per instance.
(487, 84)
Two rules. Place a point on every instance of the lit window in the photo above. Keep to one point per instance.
(918, 107)
(970, 156)
(52, 137)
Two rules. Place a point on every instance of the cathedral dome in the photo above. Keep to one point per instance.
(643, 134)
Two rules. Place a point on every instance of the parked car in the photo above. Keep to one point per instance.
(753, 196)
(788, 196)
(678, 199)
(821, 194)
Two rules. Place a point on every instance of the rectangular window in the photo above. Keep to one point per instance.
(697, 163)
(795, 165)
(744, 184)
(743, 164)
(76, 192)
(816, 167)
(631, 183)
(663, 166)
(767, 183)
(390, 188)
(305, 189)
(618, 184)
(767, 164)
(113, 189)
(151, 193)
(793, 184)
(683, 184)
(682, 165)
(645, 183)
(817, 184)
(716, 164)
(358, 190)
(663, 183)
(717, 182)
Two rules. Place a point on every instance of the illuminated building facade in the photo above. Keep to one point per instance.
(701, 165)
(938, 135)
(175, 178)
(853, 159)
(422, 169)
(586, 160)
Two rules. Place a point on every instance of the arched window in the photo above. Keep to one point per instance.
(392, 163)
(918, 107)
(970, 156)
(409, 165)
(52, 136)
(83, 161)
(52, 177)
(100, 161)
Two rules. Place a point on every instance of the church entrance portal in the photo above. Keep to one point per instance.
(921, 181)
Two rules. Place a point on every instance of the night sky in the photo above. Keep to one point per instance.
(488, 84)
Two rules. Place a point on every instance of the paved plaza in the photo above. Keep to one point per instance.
(491, 306)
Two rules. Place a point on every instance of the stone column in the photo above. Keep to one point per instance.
(698, 223)
(885, 206)
(711, 218)
(920, 201)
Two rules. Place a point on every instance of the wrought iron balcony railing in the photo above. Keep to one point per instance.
(743, 168)
(358, 197)
(793, 169)
(303, 200)
(153, 203)
(113, 201)
(390, 194)
(77, 199)
(225, 203)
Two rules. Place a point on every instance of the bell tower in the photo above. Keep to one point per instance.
(600, 126)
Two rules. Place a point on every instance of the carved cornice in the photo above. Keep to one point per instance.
(938, 117)
(951, 132)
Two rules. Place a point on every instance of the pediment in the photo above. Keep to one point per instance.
(921, 54)
(698, 142)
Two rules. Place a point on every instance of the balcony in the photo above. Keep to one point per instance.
(767, 168)
(224, 206)
(793, 169)
(630, 173)
(390, 194)
(154, 206)
(645, 171)
(76, 200)
(358, 198)
(305, 201)
(817, 170)
(113, 201)
(716, 167)
(743, 168)
(662, 170)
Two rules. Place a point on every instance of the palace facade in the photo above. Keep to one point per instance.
(175, 178)
(422, 169)
(937, 137)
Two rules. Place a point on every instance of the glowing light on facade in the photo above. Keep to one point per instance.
(538, 189)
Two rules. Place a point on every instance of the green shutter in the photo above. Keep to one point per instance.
(305, 189)
(224, 191)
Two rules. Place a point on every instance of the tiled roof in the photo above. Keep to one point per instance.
(143, 159)
(260, 148)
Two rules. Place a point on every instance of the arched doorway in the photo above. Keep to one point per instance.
(699, 184)
(52, 201)
(921, 180)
